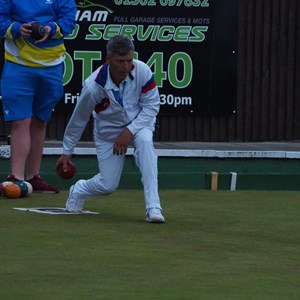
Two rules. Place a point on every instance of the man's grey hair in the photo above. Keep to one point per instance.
(120, 45)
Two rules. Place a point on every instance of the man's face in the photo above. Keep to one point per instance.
(120, 66)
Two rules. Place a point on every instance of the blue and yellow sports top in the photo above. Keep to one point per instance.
(58, 14)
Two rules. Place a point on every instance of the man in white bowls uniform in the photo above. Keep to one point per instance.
(124, 100)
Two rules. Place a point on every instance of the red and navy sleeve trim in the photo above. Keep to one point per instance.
(149, 85)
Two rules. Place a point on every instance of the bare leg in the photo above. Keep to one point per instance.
(20, 146)
(37, 133)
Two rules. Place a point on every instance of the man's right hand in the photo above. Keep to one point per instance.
(63, 159)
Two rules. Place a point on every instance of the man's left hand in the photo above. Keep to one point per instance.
(122, 142)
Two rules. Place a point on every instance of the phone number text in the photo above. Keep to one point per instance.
(186, 3)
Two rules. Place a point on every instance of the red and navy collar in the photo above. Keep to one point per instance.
(102, 75)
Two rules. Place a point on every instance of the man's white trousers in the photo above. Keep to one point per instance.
(111, 166)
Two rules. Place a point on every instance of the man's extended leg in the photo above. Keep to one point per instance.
(104, 183)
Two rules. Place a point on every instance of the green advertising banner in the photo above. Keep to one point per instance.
(190, 45)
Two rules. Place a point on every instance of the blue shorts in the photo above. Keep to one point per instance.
(28, 91)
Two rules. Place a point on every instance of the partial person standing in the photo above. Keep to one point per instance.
(32, 78)
(124, 100)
